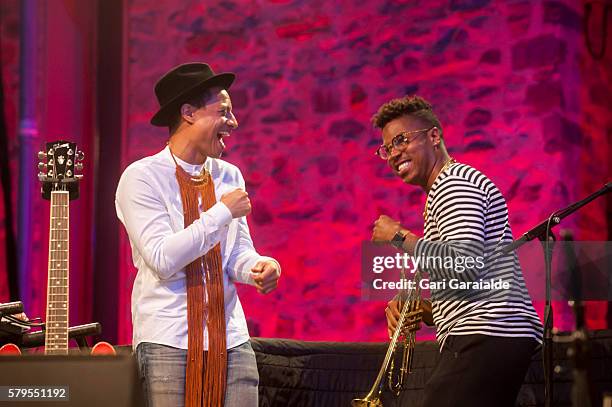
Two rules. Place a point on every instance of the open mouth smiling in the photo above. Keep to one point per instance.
(403, 165)
(221, 135)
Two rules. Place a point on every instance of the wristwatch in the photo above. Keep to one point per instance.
(398, 239)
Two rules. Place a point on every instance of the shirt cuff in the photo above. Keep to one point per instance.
(220, 213)
(419, 248)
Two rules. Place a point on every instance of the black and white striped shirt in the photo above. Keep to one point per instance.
(468, 218)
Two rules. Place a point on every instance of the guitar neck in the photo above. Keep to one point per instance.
(56, 335)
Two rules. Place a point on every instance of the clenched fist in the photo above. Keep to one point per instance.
(384, 229)
(237, 202)
(265, 275)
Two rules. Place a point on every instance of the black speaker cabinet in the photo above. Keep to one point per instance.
(72, 380)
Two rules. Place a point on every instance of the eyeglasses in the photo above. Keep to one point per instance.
(399, 141)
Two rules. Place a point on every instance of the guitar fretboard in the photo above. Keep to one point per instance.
(56, 336)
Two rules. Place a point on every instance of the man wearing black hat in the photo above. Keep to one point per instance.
(185, 211)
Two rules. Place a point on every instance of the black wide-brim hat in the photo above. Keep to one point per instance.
(181, 84)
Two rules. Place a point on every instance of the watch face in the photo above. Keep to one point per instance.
(398, 239)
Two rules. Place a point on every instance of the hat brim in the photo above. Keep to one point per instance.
(166, 113)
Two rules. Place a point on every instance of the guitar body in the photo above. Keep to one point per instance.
(103, 348)
(10, 349)
(99, 349)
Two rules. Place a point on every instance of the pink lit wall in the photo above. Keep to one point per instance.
(65, 92)
(514, 86)
(517, 92)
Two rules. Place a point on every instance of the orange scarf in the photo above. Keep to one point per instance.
(205, 380)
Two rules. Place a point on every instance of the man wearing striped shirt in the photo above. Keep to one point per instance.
(485, 323)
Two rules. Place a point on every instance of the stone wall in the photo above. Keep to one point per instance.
(517, 92)
(518, 96)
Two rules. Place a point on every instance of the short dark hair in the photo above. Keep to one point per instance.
(414, 106)
(196, 101)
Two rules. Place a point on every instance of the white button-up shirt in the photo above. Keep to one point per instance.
(148, 203)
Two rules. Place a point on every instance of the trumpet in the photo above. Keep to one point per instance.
(405, 337)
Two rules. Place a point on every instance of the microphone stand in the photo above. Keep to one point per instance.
(579, 349)
(543, 232)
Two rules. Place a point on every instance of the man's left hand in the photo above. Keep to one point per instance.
(266, 275)
(384, 229)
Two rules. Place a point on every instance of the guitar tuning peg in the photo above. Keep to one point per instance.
(42, 155)
(79, 155)
(78, 166)
(41, 166)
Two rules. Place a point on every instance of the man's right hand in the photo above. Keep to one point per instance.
(237, 202)
(393, 311)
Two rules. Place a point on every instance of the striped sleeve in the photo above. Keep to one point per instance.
(458, 208)
(468, 217)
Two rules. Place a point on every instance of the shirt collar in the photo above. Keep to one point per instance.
(192, 169)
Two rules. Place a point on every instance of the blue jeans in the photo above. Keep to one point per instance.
(162, 374)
